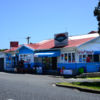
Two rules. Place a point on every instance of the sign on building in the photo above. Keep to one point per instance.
(61, 39)
(13, 44)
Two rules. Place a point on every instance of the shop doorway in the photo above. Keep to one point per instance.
(50, 63)
(1, 64)
(96, 58)
(54, 63)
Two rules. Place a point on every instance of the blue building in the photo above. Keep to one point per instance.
(71, 59)
(67, 55)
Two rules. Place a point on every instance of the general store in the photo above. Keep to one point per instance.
(73, 54)
(67, 55)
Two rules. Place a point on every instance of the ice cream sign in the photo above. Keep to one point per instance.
(61, 39)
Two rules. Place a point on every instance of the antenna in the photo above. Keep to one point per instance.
(28, 39)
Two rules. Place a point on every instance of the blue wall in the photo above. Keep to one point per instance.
(8, 61)
(89, 67)
(25, 50)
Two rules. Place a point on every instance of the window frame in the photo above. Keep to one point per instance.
(26, 57)
(71, 59)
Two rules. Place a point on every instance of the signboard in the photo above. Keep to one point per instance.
(61, 39)
(85, 52)
(14, 44)
(67, 72)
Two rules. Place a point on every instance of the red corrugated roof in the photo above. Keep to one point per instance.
(71, 43)
(50, 44)
(47, 45)
(78, 42)
(33, 46)
(11, 50)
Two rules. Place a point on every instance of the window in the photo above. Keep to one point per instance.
(73, 57)
(66, 57)
(69, 57)
(62, 56)
(80, 58)
(26, 57)
(84, 58)
(91, 58)
(96, 58)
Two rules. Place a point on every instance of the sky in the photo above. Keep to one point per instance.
(41, 19)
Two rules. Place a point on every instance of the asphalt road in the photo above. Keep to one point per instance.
(38, 87)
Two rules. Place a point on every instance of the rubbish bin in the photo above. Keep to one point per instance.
(81, 70)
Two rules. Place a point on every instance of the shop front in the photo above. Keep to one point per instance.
(78, 62)
(25, 59)
(47, 60)
(67, 55)
(81, 55)
(11, 61)
(90, 60)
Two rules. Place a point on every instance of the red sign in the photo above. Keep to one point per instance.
(14, 44)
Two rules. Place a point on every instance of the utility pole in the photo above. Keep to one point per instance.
(28, 38)
(97, 14)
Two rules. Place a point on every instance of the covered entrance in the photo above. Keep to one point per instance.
(49, 63)
(48, 60)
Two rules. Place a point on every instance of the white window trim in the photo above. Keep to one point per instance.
(86, 57)
(68, 57)
(32, 57)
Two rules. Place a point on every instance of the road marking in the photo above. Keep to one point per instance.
(53, 85)
(10, 99)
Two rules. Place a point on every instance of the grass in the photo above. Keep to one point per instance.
(92, 85)
(93, 78)
(87, 85)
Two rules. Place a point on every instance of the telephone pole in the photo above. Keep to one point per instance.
(97, 14)
(28, 40)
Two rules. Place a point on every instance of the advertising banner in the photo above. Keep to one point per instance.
(61, 39)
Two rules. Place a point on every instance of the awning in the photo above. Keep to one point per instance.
(47, 54)
(96, 52)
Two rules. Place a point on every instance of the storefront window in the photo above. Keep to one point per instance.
(26, 57)
(69, 57)
(96, 58)
(80, 58)
(38, 60)
(66, 57)
(73, 57)
(84, 58)
(62, 56)
(91, 58)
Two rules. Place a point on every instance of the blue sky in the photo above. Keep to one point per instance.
(41, 19)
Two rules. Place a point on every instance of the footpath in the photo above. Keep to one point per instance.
(68, 84)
